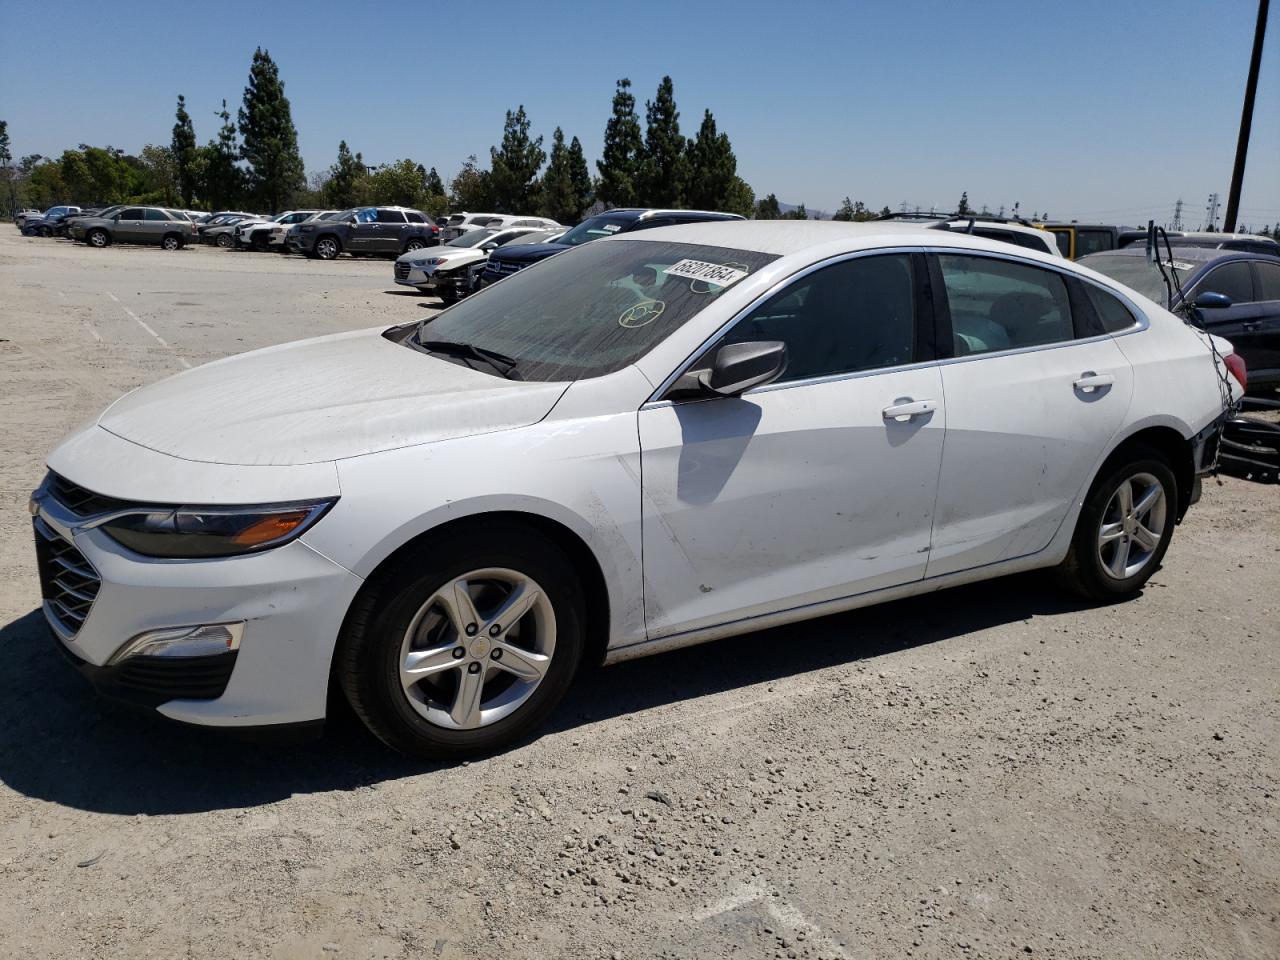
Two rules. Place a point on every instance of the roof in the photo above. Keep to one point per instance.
(782, 237)
(1201, 254)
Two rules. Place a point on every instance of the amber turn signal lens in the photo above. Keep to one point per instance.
(270, 528)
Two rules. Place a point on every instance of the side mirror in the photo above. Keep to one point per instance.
(740, 366)
(1212, 301)
(489, 247)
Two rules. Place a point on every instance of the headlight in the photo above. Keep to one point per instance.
(431, 262)
(196, 532)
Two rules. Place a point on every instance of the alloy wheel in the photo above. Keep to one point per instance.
(477, 649)
(98, 238)
(326, 249)
(1132, 525)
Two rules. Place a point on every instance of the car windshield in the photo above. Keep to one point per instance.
(538, 236)
(595, 228)
(592, 311)
(472, 238)
(1140, 274)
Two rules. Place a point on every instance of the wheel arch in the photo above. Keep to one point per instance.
(583, 558)
(1172, 440)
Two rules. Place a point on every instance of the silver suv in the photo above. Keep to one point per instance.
(135, 225)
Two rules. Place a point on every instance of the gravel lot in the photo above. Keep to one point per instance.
(995, 771)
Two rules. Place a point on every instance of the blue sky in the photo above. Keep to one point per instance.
(1095, 110)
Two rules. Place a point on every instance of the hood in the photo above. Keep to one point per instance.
(319, 400)
(447, 252)
(528, 252)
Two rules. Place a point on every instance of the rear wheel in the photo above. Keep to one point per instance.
(327, 248)
(171, 241)
(98, 238)
(414, 244)
(1124, 528)
(467, 644)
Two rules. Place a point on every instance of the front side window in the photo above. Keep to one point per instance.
(854, 315)
(1232, 279)
(594, 310)
(132, 213)
(366, 215)
(1000, 305)
(390, 216)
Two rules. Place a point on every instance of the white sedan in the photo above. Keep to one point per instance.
(449, 271)
(667, 437)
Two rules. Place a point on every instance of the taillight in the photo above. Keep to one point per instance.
(1236, 367)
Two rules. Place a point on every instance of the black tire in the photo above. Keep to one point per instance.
(413, 244)
(226, 241)
(171, 241)
(448, 296)
(1084, 570)
(98, 238)
(367, 662)
(327, 247)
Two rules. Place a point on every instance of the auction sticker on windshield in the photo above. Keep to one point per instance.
(713, 273)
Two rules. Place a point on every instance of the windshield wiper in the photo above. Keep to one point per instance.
(469, 351)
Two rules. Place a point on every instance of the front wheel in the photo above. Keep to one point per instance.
(466, 645)
(226, 241)
(1124, 528)
(98, 238)
(327, 248)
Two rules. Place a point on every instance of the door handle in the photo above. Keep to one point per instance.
(1251, 325)
(1089, 381)
(907, 409)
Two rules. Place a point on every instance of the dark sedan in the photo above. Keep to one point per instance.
(1245, 311)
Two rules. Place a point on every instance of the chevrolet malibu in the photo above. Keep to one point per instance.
(667, 437)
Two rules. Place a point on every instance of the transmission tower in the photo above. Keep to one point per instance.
(1177, 215)
(1212, 212)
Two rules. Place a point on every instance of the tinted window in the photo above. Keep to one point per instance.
(1113, 314)
(366, 215)
(589, 311)
(156, 215)
(414, 217)
(1093, 241)
(855, 315)
(133, 213)
(390, 216)
(1233, 279)
(1268, 280)
(999, 305)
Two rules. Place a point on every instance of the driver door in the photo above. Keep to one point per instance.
(129, 225)
(363, 236)
(810, 488)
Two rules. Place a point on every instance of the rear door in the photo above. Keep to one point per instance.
(391, 231)
(1033, 395)
(155, 224)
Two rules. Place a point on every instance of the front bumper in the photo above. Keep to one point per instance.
(291, 600)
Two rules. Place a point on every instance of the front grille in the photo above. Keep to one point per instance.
(81, 501)
(505, 266)
(68, 582)
(402, 271)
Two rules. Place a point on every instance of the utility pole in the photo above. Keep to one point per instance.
(1211, 212)
(1177, 215)
(1246, 119)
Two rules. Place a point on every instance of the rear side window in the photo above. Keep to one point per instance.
(854, 315)
(156, 215)
(1233, 279)
(390, 216)
(999, 305)
(1092, 241)
(414, 217)
(1268, 280)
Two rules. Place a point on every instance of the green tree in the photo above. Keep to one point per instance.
(432, 183)
(845, 212)
(713, 182)
(853, 210)
(741, 199)
(619, 163)
(398, 184)
(270, 140)
(566, 186)
(768, 209)
(223, 178)
(665, 167)
(7, 171)
(964, 209)
(343, 186)
(514, 166)
(183, 147)
(470, 189)
(45, 186)
(799, 213)
(161, 172)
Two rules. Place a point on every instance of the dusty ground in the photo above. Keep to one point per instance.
(995, 771)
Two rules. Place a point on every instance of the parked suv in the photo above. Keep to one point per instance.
(135, 225)
(366, 230)
(623, 220)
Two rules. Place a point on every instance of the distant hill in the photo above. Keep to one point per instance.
(813, 214)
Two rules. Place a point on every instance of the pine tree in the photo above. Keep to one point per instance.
(341, 190)
(270, 138)
(665, 167)
(768, 209)
(713, 182)
(619, 163)
(845, 212)
(582, 188)
(799, 213)
(223, 179)
(184, 150)
(471, 189)
(964, 209)
(514, 166)
(6, 169)
(558, 199)
(432, 183)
